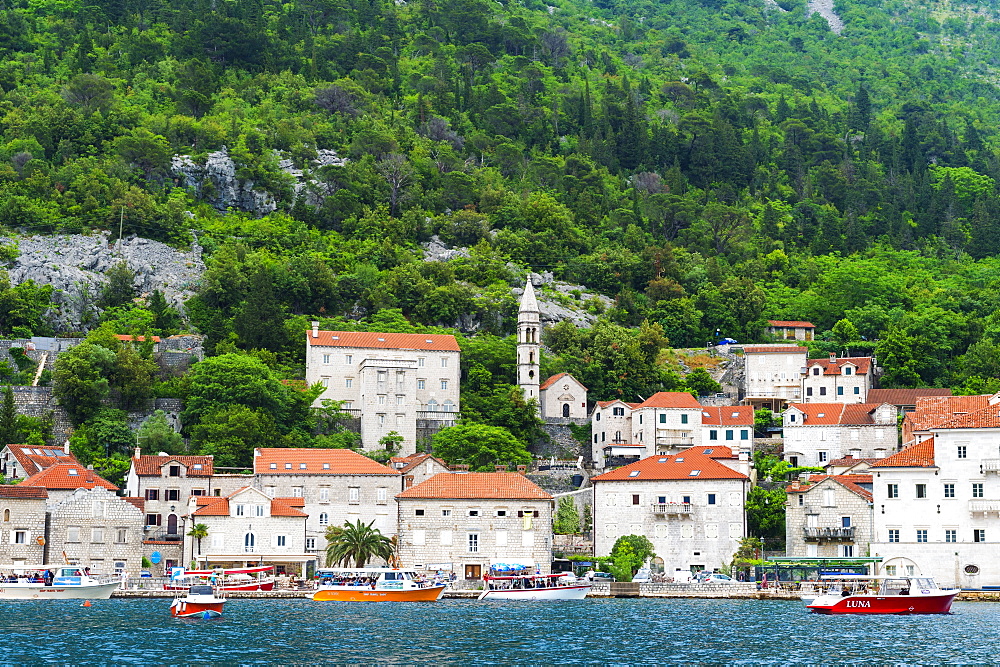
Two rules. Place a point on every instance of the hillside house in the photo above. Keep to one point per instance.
(817, 433)
(829, 516)
(791, 330)
(773, 375)
(838, 380)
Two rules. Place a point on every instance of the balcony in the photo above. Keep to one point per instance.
(671, 508)
(163, 536)
(983, 506)
(675, 441)
(991, 465)
(835, 533)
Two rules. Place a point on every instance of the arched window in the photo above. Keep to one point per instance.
(6, 515)
(449, 406)
(249, 542)
(432, 405)
(172, 524)
(565, 409)
(324, 519)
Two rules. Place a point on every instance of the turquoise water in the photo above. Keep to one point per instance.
(467, 632)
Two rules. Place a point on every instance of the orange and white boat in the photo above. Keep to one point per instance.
(260, 578)
(374, 584)
(199, 601)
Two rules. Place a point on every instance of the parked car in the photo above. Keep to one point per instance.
(728, 341)
(643, 576)
(718, 578)
(602, 576)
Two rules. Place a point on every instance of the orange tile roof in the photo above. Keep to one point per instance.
(11, 491)
(139, 339)
(605, 404)
(775, 349)
(863, 364)
(714, 451)
(292, 502)
(151, 465)
(791, 323)
(140, 503)
(904, 396)
(220, 506)
(290, 461)
(931, 411)
(64, 476)
(849, 460)
(670, 399)
(850, 482)
(384, 341)
(477, 485)
(279, 508)
(671, 467)
(988, 417)
(412, 461)
(833, 414)
(34, 459)
(920, 455)
(724, 416)
(555, 378)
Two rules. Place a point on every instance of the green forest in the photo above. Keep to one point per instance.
(705, 164)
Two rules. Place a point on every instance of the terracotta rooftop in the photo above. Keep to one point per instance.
(140, 503)
(10, 491)
(920, 455)
(850, 482)
(775, 349)
(849, 461)
(714, 452)
(670, 399)
(904, 396)
(64, 476)
(406, 463)
(220, 506)
(309, 461)
(138, 339)
(151, 465)
(477, 485)
(932, 411)
(33, 459)
(727, 415)
(605, 404)
(988, 417)
(798, 324)
(555, 378)
(836, 414)
(385, 341)
(863, 365)
(671, 467)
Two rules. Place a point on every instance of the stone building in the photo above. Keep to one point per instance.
(464, 522)
(22, 531)
(611, 424)
(334, 485)
(64, 479)
(529, 344)
(729, 425)
(23, 461)
(816, 433)
(666, 421)
(247, 527)
(829, 516)
(690, 506)
(417, 468)
(562, 396)
(392, 382)
(96, 529)
(838, 380)
(773, 375)
(166, 483)
(791, 330)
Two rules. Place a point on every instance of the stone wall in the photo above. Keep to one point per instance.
(561, 444)
(22, 514)
(74, 520)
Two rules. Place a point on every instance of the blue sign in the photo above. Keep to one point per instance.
(155, 557)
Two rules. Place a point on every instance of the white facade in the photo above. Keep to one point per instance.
(389, 381)
(529, 339)
(562, 396)
(610, 424)
(773, 374)
(667, 421)
(817, 433)
(836, 380)
(829, 517)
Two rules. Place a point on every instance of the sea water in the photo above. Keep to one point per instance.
(634, 631)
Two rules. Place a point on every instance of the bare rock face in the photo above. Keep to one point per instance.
(75, 265)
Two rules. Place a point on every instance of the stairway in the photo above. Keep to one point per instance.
(41, 367)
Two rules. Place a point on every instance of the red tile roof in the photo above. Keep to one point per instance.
(836, 414)
(151, 465)
(988, 417)
(8, 491)
(727, 415)
(605, 404)
(931, 411)
(863, 364)
(849, 482)
(791, 323)
(776, 349)
(220, 506)
(140, 503)
(289, 461)
(279, 508)
(33, 459)
(904, 396)
(849, 460)
(714, 451)
(406, 463)
(920, 455)
(670, 399)
(555, 378)
(64, 476)
(477, 485)
(140, 339)
(292, 502)
(385, 341)
(671, 467)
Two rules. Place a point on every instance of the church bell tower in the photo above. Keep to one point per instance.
(528, 343)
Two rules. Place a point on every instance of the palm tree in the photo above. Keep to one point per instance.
(198, 531)
(358, 542)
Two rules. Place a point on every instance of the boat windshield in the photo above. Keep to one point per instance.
(200, 590)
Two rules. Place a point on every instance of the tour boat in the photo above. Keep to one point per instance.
(883, 594)
(534, 587)
(68, 582)
(199, 601)
(260, 578)
(374, 584)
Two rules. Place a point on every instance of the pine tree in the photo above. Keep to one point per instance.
(8, 418)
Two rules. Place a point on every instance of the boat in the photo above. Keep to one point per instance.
(198, 601)
(558, 586)
(374, 584)
(65, 582)
(259, 578)
(882, 594)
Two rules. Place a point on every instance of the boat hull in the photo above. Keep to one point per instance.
(182, 608)
(364, 594)
(557, 593)
(42, 592)
(264, 586)
(935, 603)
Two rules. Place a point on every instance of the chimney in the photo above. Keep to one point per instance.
(499, 468)
(522, 469)
(833, 357)
(138, 452)
(315, 326)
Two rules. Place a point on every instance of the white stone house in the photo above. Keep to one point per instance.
(773, 375)
(248, 527)
(390, 381)
(937, 504)
(610, 424)
(563, 397)
(829, 516)
(791, 329)
(335, 486)
(417, 468)
(729, 425)
(817, 433)
(838, 380)
(464, 522)
(95, 528)
(667, 421)
(166, 483)
(22, 525)
(690, 506)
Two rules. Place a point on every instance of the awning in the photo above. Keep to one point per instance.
(512, 561)
(266, 558)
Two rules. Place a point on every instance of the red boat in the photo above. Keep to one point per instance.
(259, 578)
(858, 594)
(200, 601)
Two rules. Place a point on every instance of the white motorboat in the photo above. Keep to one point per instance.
(534, 587)
(68, 582)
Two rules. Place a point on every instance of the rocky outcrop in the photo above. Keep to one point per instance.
(558, 301)
(75, 266)
(825, 9)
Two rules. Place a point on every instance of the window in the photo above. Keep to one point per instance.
(816, 370)
(122, 536)
(73, 534)
(892, 491)
(324, 494)
(348, 383)
(635, 498)
(173, 494)
(310, 543)
(684, 418)
(420, 361)
(729, 434)
(418, 512)
(152, 494)
(977, 489)
(445, 512)
(979, 535)
(809, 391)
(274, 466)
(822, 457)
(21, 537)
(822, 391)
(197, 492)
(258, 510)
(962, 451)
(281, 540)
(802, 500)
(949, 490)
(444, 384)
(840, 391)
(950, 535)
(713, 435)
(921, 535)
(325, 381)
(97, 535)
(845, 522)
(894, 534)
(857, 390)
(249, 542)
(380, 495)
(921, 490)
(326, 358)
(239, 510)
(297, 492)
(711, 499)
(828, 498)
(501, 513)
(354, 494)
(744, 434)
(847, 551)
(848, 370)
(175, 471)
(473, 543)
(473, 512)
(444, 362)
(618, 412)
(890, 570)
(381, 399)
(348, 358)
(421, 384)
(791, 418)
(152, 519)
(324, 519)
(663, 418)
(686, 500)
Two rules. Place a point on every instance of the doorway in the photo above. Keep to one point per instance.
(565, 409)
(473, 571)
(172, 524)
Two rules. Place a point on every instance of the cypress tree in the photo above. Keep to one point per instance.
(8, 418)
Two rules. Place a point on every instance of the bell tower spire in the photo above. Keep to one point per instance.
(528, 343)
